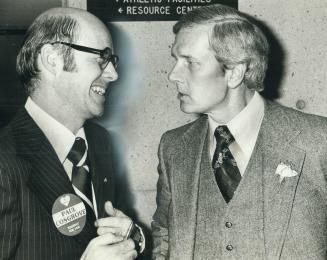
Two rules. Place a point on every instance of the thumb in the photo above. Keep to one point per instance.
(110, 210)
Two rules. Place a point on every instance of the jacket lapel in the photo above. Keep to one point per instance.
(278, 196)
(186, 184)
(47, 178)
(102, 168)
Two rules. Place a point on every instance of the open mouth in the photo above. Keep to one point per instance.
(100, 91)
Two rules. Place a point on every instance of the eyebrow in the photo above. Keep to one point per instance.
(173, 54)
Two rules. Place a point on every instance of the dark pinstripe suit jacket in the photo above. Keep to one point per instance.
(32, 178)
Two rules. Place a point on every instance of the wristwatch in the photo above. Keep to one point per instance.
(135, 233)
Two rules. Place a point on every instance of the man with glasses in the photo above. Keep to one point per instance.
(57, 169)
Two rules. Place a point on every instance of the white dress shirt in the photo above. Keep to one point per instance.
(62, 140)
(245, 128)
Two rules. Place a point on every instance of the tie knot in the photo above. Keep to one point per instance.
(223, 135)
(77, 151)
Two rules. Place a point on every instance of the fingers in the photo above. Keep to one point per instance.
(115, 225)
(96, 249)
(127, 245)
(131, 255)
(106, 239)
(111, 211)
(114, 222)
(104, 230)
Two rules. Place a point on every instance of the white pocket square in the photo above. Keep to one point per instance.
(285, 171)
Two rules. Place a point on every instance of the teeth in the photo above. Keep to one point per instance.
(98, 90)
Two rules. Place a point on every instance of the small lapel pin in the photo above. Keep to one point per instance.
(105, 180)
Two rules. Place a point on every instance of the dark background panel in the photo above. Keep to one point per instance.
(147, 10)
(15, 17)
(19, 14)
(11, 91)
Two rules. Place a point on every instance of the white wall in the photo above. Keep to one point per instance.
(301, 29)
(143, 104)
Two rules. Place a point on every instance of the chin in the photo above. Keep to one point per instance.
(192, 109)
(187, 109)
(96, 113)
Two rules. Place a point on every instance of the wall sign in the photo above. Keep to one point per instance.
(148, 10)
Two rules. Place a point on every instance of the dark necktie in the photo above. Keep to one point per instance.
(227, 173)
(81, 178)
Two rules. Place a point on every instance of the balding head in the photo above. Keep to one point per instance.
(56, 24)
(79, 15)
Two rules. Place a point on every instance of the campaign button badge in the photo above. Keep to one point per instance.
(69, 214)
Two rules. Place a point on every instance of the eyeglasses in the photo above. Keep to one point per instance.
(105, 54)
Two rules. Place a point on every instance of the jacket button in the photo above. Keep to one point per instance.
(228, 224)
(229, 247)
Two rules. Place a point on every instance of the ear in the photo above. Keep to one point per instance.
(235, 75)
(50, 59)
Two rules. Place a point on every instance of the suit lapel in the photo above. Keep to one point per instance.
(47, 178)
(186, 183)
(278, 196)
(101, 168)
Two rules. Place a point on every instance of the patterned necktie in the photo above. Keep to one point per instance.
(81, 178)
(227, 173)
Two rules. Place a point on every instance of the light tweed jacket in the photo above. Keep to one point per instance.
(294, 212)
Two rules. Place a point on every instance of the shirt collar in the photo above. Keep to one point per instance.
(61, 138)
(245, 125)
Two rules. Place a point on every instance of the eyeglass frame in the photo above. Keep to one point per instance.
(114, 59)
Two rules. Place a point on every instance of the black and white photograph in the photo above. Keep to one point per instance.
(163, 130)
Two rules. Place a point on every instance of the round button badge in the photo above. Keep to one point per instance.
(69, 214)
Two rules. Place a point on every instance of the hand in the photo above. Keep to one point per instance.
(117, 223)
(109, 246)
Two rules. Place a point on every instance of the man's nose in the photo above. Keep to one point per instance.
(110, 73)
(175, 74)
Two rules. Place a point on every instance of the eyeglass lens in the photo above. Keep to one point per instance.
(107, 57)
